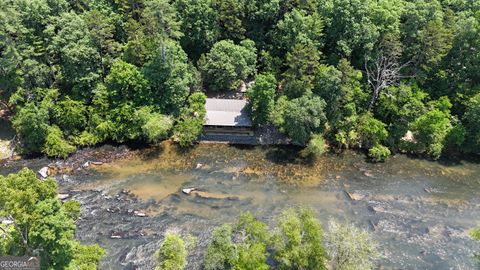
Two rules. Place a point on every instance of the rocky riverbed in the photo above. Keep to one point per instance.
(419, 211)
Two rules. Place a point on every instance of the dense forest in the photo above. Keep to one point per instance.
(380, 75)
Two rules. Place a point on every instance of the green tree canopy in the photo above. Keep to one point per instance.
(173, 252)
(190, 124)
(472, 122)
(227, 64)
(303, 64)
(262, 98)
(371, 131)
(298, 241)
(170, 77)
(297, 27)
(349, 247)
(199, 20)
(242, 245)
(41, 223)
(125, 83)
(303, 117)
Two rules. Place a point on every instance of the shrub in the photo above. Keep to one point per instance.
(475, 234)
(379, 153)
(298, 241)
(190, 124)
(172, 254)
(371, 131)
(303, 117)
(315, 147)
(242, 245)
(157, 127)
(349, 247)
(55, 144)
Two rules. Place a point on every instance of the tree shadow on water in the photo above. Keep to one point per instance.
(284, 155)
(6, 130)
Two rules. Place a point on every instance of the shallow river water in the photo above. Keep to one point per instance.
(418, 211)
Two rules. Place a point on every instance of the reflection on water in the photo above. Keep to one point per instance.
(6, 135)
(6, 130)
(419, 211)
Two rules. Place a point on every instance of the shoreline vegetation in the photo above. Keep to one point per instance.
(397, 77)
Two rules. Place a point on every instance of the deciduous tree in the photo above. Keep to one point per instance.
(227, 64)
(262, 98)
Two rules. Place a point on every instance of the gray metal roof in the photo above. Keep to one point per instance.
(227, 112)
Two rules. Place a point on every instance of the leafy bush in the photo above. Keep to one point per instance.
(56, 145)
(190, 124)
(370, 131)
(303, 117)
(85, 257)
(471, 118)
(49, 225)
(430, 132)
(315, 147)
(157, 127)
(475, 234)
(379, 153)
(298, 241)
(71, 115)
(262, 98)
(349, 247)
(242, 245)
(173, 252)
(221, 251)
(86, 139)
(31, 124)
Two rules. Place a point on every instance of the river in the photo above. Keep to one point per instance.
(417, 210)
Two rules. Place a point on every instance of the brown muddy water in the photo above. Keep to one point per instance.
(418, 211)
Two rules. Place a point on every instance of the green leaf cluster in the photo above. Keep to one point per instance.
(40, 223)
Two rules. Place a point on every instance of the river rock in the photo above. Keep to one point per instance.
(143, 256)
(139, 214)
(368, 173)
(376, 209)
(188, 190)
(63, 196)
(355, 196)
(43, 172)
(115, 236)
(436, 231)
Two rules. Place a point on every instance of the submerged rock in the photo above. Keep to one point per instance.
(355, 196)
(211, 195)
(436, 230)
(376, 209)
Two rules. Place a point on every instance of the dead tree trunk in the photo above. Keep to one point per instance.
(382, 72)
